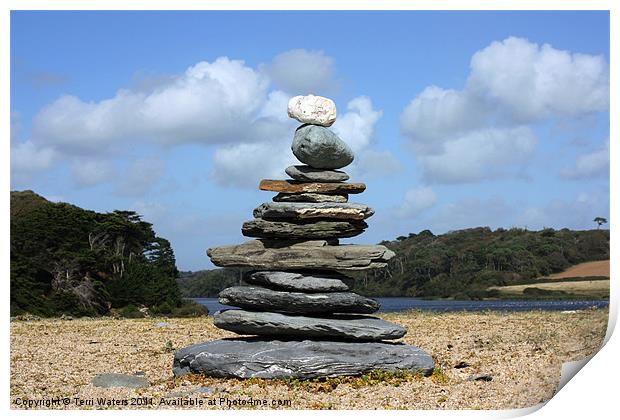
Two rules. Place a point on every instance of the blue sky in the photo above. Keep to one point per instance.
(457, 119)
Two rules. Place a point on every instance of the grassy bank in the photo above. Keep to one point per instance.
(521, 352)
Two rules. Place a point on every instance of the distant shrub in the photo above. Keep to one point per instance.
(190, 309)
(130, 311)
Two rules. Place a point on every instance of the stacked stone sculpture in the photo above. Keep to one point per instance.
(297, 314)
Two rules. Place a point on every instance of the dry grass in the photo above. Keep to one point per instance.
(587, 269)
(523, 352)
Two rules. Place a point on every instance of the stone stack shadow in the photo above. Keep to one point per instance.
(299, 316)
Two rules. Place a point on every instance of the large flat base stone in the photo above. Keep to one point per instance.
(307, 359)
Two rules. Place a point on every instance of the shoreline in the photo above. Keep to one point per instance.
(521, 353)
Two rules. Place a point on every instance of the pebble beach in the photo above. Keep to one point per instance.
(484, 360)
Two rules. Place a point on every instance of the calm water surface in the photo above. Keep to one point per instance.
(395, 304)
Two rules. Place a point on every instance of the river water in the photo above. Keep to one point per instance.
(395, 304)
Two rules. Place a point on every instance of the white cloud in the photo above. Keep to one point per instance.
(244, 164)
(28, 157)
(90, 172)
(210, 103)
(375, 163)
(436, 115)
(417, 200)
(302, 72)
(480, 154)
(535, 82)
(482, 131)
(590, 165)
(141, 176)
(357, 126)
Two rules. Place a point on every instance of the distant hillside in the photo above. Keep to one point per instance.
(460, 264)
(67, 260)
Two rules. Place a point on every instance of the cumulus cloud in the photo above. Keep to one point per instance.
(536, 82)
(480, 154)
(375, 163)
(357, 126)
(483, 131)
(590, 165)
(141, 175)
(28, 157)
(245, 163)
(301, 72)
(417, 200)
(90, 172)
(209, 103)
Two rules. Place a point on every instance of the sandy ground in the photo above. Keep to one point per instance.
(522, 353)
(592, 268)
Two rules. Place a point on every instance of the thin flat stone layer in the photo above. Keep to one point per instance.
(312, 109)
(257, 255)
(298, 282)
(323, 229)
(307, 211)
(364, 328)
(309, 174)
(262, 299)
(311, 198)
(320, 148)
(307, 359)
(286, 186)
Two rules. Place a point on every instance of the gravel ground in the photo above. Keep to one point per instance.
(521, 352)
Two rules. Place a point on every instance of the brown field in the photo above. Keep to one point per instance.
(587, 287)
(523, 353)
(587, 269)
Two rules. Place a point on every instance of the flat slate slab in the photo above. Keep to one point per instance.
(323, 229)
(364, 328)
(313, 211)
(298, 282)
(310, 198)
(263, 255)
(307, 359)
(287, 186)
(119, 380)
(260, 298)
(309, 174)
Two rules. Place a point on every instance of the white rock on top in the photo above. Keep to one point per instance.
(312, 110)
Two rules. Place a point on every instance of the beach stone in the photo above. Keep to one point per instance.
(306, 359)
(260, 254)
(311, 198)
(308, 211)
(320, 148)
(323, 229)
(117, 380)
(287, 186)
(260, 298)
(298, 282)
(352, 327)
(312, 109)
(309, 174)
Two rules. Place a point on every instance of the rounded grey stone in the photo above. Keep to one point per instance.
(260, 298)
(310, 174)
(269, 359)
(320, 148)
(298, 282)
(352, 327)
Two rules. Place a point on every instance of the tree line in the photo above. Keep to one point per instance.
(459, 264)
(67, 260)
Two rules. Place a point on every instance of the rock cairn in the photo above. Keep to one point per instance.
(297, 314)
